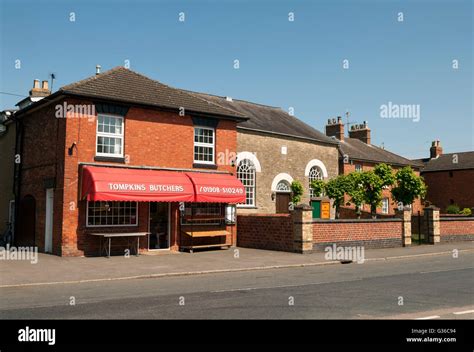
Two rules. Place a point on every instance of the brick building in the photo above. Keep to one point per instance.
(449, 177)
(120, 154)
(275, 148)
(357, 153)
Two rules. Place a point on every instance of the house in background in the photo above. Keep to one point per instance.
(275, 148)
(357, 153)
(449, 177)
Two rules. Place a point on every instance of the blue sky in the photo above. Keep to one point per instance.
(295, 64)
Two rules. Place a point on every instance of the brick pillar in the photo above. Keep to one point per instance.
(405, 215)
(431, 218)
(302, 228)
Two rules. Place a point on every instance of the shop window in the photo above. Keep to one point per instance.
(385, 204)
(315, 173)
(204, 145)
(246, 175)
(109, 136)
(112, 213)
(203, 214)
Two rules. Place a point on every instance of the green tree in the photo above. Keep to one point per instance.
(355, 190)
(372, 185)
(385, 172)
(318, 186)
(408, 186)
(336, 189)
(296, 191)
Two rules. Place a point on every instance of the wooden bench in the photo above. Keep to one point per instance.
(201, 234)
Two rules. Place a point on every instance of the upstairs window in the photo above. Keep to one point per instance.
(204, 143)
(385, 204)
(358, 167)
(109, 135)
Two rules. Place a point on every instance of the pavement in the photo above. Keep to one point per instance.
(52, 269)
(415, 287)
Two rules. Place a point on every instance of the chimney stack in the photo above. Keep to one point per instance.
(39, 91)
(360, 132)
(436, 150)
(97, 69)
(335, 128)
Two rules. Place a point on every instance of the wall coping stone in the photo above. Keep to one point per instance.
(332, 221)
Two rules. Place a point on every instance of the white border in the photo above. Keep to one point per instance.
(318, 163)
(281, 177)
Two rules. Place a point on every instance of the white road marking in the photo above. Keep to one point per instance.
(464, 312)
(282, 286)
(428, 318)
(442, 271)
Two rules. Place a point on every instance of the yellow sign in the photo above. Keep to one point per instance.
(325, 210)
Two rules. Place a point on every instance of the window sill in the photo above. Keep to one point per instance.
(205, 166)
(112, 159)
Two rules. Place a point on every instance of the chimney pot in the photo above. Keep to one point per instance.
(36, 84)
(44, 85)
(97, 69)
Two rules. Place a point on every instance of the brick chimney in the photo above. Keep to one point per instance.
(335, 128)
(38, 91)
(361, 132)
(436, 149)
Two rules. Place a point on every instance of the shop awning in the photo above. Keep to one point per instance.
(127, 184)
(217, 188)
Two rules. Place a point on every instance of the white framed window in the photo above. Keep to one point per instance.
(204, 143)
(315, 173)
(283, 186)
(246, 175)
(109, 135)
(101, 214)
(385, 204)
(358, 167)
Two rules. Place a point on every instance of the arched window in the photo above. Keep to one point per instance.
(315, 173)
(246, 175)
(283, 186)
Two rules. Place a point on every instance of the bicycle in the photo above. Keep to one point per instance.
(7, 236)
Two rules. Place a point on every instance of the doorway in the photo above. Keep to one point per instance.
(48, 227)
(282, 202)
(316, 205)
(159, 237)
(26, 218)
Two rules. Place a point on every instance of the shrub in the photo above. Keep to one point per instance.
(452, 209)
(466, 211)
(297, 191)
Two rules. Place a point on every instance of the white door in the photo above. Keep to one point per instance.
(48, 230)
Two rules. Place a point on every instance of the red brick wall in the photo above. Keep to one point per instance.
(378, 233)
(265, 231)
(42, 157)
(348, 168)
(443, 188)
(152, 138)
(456, 229)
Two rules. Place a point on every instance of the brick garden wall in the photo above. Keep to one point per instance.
(267, 231)
(370, 233)
(456, 229)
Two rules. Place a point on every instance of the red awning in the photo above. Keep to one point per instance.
(218, 188)
(126, 184)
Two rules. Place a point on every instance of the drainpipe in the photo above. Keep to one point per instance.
(17, 172)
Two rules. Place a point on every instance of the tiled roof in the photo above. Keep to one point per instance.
(123, 85)
(269, 119)
(448, 162)
(358, 150)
